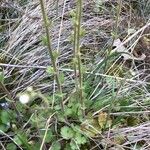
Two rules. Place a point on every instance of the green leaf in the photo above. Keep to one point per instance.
(5, 117)
(1, 76)
(11, 146)
(114, 34)
(56, 54)
(75, 61)
(49, 136)
(50, 70)
(60, 116)
(67, 133)
(21, 139)
(44, 40)
(3, 128)
(68, 111)
(73, 145)
(55, 146)
(132, 121)
(36, 146)
(68, 147)
(90, 127)
(72, 13)
(17, 140)
(73, 110)
(80, 139)
(48, 22)
(24, 140)
(62, 77)
(84, 69)
(82, 32)
(57, 107)
(59, 95)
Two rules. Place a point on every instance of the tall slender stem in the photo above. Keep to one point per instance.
(74, 49)
(78, 54)
(53, 60)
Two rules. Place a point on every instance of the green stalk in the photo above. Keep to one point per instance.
(118, 17)
(74, 50)
(53, 60)
(116, 26)
(78, 53)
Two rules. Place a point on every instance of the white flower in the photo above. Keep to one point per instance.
(24, 98)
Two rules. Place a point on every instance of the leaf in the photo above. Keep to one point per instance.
(80, 139)
(44, 40)
(103, 120)
(36, 146)
(68, 112)
(114, 34)
(3, 128)
(67, 133)
(73, 145)
(59, 95)
(132, 121)
(62, 77)
(48, 21)
(1, 76)
(5, 117)
(49, 135)
(120, 139)
(91, 127)
(60, 116)
(57, 107)
(82, 32)
(72, 13)
(17, 140)
(50, 70)
(22, 138)
(68, 147)
(55, 146)
(75, 61)
(11, 146)
(56, 54)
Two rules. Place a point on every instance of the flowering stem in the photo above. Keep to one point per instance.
(53, 60)
(77, 52)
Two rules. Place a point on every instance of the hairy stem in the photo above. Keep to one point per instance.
(53, 60)
(78, 54)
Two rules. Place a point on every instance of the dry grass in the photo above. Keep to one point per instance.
(24, 46)
(26, 58)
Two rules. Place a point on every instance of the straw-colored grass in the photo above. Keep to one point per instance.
(108, 79)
